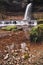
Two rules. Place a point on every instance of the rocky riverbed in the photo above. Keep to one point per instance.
(15, 49)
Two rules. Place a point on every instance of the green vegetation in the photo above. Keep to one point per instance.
(36, 34)
(40, 21)
(26, 56)
(9, 28)
(9, 5)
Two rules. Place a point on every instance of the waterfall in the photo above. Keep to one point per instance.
(27, 15)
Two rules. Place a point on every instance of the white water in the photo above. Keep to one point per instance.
(27, 15)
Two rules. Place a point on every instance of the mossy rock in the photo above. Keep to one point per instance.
(9, 28)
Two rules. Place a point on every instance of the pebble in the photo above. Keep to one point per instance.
(30, 55)
(6, 57)
(23, 57)
(16, 50)
(12, 51)
(23, 45)
(10, 35)
(30, 60)
(5, 51)
(33, 56)
(26, 49)
(12, 46)
(18, 58)
(35, 50)
(23, 51)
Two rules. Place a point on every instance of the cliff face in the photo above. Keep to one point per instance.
(20, 5)
(13, 5)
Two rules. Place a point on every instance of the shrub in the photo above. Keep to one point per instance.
(9, 28)
(36, 34)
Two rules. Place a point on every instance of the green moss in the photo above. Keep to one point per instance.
(9, 28)
(36, 34)
(26, 56)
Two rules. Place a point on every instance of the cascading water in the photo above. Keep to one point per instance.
(27, 17)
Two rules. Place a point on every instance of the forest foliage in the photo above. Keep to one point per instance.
(14, 5)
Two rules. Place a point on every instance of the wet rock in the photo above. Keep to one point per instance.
(27, 49)
(30, 60)
(30, 55)
(23, 57)
(23, 47)
(17, 64)
(35, 50)
(18, 58)
(23, 51)
(12, 51)
(12, 46)
(15, 54)
(6, 57)
(9, 59)
(16, 50)
(11, 62)
(38, 54)
(5, 51)
(33, 56)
